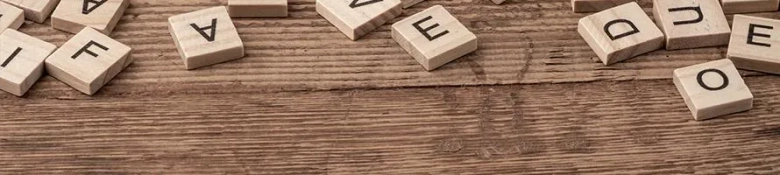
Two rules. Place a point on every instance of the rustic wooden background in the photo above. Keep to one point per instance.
(307, 100)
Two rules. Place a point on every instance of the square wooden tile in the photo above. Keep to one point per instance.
(88, 61)
(713, 89)
(749, 6)
(356, 18)
(257, 8)
(755, 44)
(410, 3)
(35, 10)
(21, 60)
(434, 37)
(73, 15)
(692, 23)
(206, 37)
(10, 17)
(620, 33)
(584, 6)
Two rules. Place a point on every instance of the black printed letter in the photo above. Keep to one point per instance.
(705, 86)
(696, 9)
(202, 32)
(752, 33)
(86, 49)
(13, 55)
(355, 3)
(634, 30)
(426, 30)
(86, 9)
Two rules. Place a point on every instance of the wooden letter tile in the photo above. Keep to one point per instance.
(21, 61)
(102, 15)
(434, 37)
(583, 6)
(755, 44)
(10, 17)
(691, 23)
(356, 18)
(88, 61)
(206, 37)
(257, 8)
(713, 89)
(749, 6)
(410, 3)
(35, 10)
(620, 33)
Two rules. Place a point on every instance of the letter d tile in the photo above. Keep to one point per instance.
(620, 33)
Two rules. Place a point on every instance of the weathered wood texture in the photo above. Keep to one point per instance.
(307, 100)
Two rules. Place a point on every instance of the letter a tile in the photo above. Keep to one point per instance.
(102, 15)
(713, 89)
(35, 10)
(10, 17)
(691, 23)
(88, 60)
(620, 33)
(21, 61)
(206, 37)
(755, 44)
(356, 18)
(434, 37)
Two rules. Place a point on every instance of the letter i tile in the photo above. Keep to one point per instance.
(434, 37)
(615, 37)
(88, 61)
(21, 60)
(691, 23)
(206, 37)
(754, 44)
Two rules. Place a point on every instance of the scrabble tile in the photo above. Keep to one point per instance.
(713, 89)
(257, 8)
(749, 6)
(615, 37)
(583, 6)
(88, 61)
(410, 3)
(434, 37)
(35, 10)
(691, 23)
(10, 17)
(356, 18)
(102, 15)
(21, 61)
(206, 37)
(498, 1)
(755, 43)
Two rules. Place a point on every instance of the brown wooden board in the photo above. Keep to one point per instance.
(533, 99)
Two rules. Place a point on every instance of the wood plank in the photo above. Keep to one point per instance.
(533, 129)
(519, 44)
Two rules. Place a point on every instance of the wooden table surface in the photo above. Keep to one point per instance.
(306, 100)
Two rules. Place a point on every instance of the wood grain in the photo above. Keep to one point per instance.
(533, 100)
